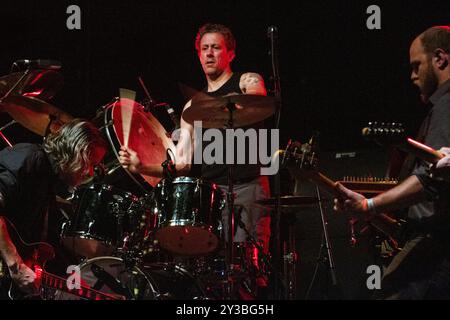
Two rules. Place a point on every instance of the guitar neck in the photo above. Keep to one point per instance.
(52, 281)
(325, 183)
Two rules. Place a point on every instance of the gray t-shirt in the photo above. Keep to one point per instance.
(437, 135)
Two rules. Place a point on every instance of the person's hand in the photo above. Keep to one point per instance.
(349, 201)
(442, 168)
(23, 277)
(129, 160)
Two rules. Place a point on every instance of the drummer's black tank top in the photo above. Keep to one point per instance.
(218, 173)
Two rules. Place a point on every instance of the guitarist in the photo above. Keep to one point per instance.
(28, 175)
(422, 269)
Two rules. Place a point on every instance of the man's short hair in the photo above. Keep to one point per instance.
(230, 41)
(435, 38)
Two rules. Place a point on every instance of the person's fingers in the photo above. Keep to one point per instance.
(132, 152)
(124, 160)
(445, 150)
(345, 191)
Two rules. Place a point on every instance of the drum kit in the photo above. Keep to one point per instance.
(137, 236)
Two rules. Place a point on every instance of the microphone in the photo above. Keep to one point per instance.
(39, 64)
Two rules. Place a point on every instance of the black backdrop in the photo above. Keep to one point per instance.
(335, 73)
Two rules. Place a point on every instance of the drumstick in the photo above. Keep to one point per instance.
(127, 101)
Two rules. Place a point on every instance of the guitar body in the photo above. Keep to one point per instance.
(35, 255)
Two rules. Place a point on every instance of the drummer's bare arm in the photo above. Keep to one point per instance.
(252, 83)
(129, 159)
(185, 146)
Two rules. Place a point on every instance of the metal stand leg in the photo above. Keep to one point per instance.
(328, 247)
(289, 265)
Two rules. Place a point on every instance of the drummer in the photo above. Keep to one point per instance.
(215, 45)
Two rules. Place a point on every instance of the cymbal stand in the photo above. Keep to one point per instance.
(329, 250)
(265, 258)
(3, 128)
(7, 94)
(289, 264)
(230, 200)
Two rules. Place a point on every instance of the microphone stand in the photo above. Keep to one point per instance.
(272, 34)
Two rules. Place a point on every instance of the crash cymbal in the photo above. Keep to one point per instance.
(214, 111)
(34, 114)
(289, 201)
(42, 84)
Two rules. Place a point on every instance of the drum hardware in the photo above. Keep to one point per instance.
(301, 160)
(11, 82)
(3, 128)
(290, 202)
(104, 278)
(230, 111)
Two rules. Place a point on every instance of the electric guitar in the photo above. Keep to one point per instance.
(35, 256)
(302, 164)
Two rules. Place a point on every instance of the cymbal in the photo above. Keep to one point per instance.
(34, 114)
(289, 201)
(42, 84)
(214, 111)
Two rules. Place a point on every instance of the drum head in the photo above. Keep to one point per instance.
(146, 136)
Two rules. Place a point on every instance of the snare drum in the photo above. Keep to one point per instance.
(103, 217)
(189, 212)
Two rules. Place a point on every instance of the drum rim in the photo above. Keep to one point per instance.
(189, 179)
(107, 117)
(86, 236)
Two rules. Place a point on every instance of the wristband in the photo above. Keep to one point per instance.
(371, 206)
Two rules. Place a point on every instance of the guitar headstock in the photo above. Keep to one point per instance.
(298, 157)
(385, 132)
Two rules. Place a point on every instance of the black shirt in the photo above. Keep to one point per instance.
(437, 134)
(218, 172)
(26, 183)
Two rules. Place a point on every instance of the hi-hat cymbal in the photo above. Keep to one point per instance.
(214, 111)
(34, 114)
(289, 201)
(42, 84)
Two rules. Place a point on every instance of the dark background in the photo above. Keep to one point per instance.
(336, 75)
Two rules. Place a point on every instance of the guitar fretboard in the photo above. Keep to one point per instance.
(52, 281)
(371, 185)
